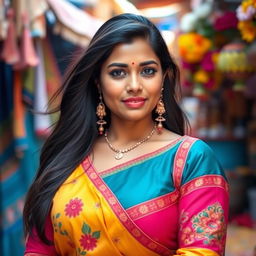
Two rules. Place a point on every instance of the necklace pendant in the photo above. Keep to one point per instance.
(119, 156)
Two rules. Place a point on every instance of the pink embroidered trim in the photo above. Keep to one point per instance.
(204, 181)
(34, 254)
(151, 206)
(119, 211)
(180, 160)
(139, 159)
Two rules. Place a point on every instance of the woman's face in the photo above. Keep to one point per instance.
(131, 81)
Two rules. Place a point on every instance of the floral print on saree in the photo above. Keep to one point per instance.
(121, 213)
(88, 239)
(89, 217)
(74, 207)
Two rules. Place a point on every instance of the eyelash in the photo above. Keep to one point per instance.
(114, 72)
(151, 73)
(147, 72)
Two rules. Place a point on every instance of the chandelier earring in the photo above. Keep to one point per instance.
(160, 110)
(101, 112)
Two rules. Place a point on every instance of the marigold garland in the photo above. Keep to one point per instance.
(193, 46)
(246, 14)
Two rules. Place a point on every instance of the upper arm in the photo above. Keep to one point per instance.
(203, 206)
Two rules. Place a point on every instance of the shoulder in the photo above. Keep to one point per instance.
(198, 147)
(195, 148)
(72, 179)
(201, 160)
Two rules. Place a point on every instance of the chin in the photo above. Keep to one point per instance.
(136, 117)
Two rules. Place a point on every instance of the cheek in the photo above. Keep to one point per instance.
(155, 100)
(155, 88)
(108, 96)
(108, 88)
(111, 94)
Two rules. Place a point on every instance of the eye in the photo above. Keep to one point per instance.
(148, 71)
(117, 73)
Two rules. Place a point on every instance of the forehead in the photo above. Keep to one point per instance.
(137, 50)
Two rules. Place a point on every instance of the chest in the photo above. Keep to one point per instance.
(103, 158)
(144, 193)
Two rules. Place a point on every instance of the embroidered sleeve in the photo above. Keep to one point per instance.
(203, 206)
(34, 245)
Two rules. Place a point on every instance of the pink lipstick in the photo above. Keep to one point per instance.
(134, 102)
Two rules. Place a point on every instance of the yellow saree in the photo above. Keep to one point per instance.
(105, 215)
(98, 230)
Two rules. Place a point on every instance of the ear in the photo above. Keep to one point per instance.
(97, 84)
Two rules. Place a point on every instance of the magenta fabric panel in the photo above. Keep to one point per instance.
(162, 226)
(203, 225)
(35, 245)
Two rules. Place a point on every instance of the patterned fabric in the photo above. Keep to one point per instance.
(18, 159)
(173, 201)
(19, 145)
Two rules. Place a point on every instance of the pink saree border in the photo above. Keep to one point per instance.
(154, 205)
(205, 181)
(120, 212)
(34, 254)
(180, 160)
(140, 158)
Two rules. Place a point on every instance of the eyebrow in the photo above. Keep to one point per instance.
(148, 63)
(115, 64)
(123, 65)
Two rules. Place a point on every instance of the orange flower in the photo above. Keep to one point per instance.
(246, 13)
(201, 77)
(248, 30)
(193, 46)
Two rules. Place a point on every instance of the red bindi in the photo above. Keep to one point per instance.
(132, 63)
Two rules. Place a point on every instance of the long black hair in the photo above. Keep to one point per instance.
(76, 131)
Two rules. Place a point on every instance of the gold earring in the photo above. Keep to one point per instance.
(160, 110)
(101, 112)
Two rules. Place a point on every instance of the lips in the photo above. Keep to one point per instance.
(134, 99)
(134, 102)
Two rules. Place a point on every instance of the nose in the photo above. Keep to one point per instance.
(134, 84)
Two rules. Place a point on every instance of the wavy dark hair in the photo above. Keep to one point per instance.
(76, 131)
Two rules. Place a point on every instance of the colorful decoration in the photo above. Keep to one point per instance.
(10, 52)
(198, 50)
(192, 21)
(206, 78)
(246, 14)
(209, 52)
(193, 46)
(198, 62)
(227, 20)
(233, 62)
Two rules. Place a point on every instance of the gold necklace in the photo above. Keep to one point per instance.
(120, 152)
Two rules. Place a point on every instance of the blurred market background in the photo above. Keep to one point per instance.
(214, 43)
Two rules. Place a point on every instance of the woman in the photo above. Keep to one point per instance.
(137, 185)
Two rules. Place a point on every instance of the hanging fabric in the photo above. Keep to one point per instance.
(10, 53)
(68, 16)
(41, 122)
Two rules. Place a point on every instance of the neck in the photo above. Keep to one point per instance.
(123, 133)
